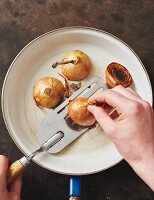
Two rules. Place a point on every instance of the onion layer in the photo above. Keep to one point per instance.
(48, 92)
(77, 110)
(78, 69)
(117, 74)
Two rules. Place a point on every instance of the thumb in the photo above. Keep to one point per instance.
(15, 187)
(3, 170)
(103, 118)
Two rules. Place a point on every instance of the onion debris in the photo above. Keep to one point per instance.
(75, 86)
(67, 86)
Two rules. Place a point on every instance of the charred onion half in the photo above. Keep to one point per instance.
(48, 91)
(117, 74)
(77, 110)
(75, 65)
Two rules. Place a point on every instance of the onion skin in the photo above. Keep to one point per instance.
(117, 74)
(79, 70)
(67, 86)
(48, 92)
(77, 110)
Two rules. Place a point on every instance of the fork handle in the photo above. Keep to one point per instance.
(16, 169)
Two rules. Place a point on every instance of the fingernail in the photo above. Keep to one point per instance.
(90, 108)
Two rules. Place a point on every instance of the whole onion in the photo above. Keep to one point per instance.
(77, 67)
(117, 74)
(77, 110)
(48, 91)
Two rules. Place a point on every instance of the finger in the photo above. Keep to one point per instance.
(113, 98)
(132, 91)
(102, 117)
(15, 187)
(3, 166)
(111, 111)
(127, 92)
(3, 170)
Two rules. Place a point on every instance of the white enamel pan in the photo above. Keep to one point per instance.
(93, 151)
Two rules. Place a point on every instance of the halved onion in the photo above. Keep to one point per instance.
(77, 110)
(75, 65)
(117, 74)
(48, 91)
(78, 70)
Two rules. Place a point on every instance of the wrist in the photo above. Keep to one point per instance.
(145, 170)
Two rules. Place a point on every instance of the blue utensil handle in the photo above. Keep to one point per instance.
(75, 188)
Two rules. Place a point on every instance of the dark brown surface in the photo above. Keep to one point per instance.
(23, 20)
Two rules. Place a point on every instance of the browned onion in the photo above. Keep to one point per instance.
(79, 66)
(77, 110)
(117, 74)
(48, 91)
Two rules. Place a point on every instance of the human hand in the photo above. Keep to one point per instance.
(13, 193)
(132, 131)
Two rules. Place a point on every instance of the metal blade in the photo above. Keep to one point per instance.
(54, 121)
